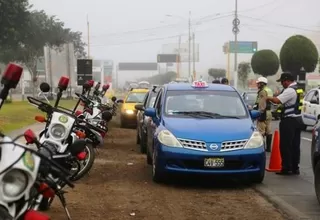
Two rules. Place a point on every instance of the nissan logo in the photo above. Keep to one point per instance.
(213, 146)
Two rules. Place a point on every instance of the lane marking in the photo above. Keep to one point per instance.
(306, 139)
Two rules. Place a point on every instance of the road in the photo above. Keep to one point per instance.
(120, 187)
(297, 191)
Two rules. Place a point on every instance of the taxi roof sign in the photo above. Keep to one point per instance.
(200, 84)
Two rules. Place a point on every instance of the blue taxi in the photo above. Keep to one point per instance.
(203, 128)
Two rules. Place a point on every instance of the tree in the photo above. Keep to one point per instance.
(265, 63)
(161, 78)
(43, 30)
(13, 22)
(298, 52)
(244, 69)
(79, 45)
(217, 73)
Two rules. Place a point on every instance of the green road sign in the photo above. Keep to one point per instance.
(243, 47)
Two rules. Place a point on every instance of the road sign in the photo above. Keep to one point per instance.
(168, 58)
(243, 47)
(84, 71)
(183, 50)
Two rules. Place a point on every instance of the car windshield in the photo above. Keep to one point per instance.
(136, 97)
(211, 104)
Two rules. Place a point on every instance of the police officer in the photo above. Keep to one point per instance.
(225, 81)
(290, 124)
(264, 106)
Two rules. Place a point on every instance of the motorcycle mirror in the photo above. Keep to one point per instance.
(11, 76)
(63, 83)
(77, 147)
(44, 87)
(97, 87)
(114, 99)
(91, 83)
(40, 118)
(30, 136)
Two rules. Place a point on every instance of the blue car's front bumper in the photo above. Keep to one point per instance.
(238, 162)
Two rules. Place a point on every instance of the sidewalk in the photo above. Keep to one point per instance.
(293, 194)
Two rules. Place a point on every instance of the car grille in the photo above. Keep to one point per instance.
(193, 144)
(233, 145)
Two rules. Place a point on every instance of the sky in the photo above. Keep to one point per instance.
(134, 31)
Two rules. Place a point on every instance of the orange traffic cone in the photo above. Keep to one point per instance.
(275, 159)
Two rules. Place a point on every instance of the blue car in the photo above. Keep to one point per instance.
(200, 128)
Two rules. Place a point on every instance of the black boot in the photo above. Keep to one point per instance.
(268, 142)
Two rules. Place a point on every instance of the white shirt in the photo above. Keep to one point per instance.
(289, 97)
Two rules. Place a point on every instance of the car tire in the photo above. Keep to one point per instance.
(258, 178)
(157, 175)
(138, 137)
(317, 180)
(143, 147)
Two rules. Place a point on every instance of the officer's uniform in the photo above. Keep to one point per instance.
(264, 106)
(290, 125)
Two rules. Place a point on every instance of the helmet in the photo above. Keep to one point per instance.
(262, 80)
(224, 81)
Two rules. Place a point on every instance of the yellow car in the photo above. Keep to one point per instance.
(128, 116)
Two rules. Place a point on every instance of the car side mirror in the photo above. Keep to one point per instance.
(150, 112)
(139, 107)
(254, 114)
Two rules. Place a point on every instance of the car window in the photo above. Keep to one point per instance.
(146, 99)
(151, 101)
(315, 97)
(158, 103)
(227, 103)
(309, 96)
(135, 97)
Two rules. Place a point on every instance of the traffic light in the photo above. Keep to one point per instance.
(254, 46)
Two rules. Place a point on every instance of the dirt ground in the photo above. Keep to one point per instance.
(119, 187)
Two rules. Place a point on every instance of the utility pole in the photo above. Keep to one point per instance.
(68, 66)
(178, 58)
(189, 26)
(194, 55)
(228, 61)
(235, 30)
(88, 30)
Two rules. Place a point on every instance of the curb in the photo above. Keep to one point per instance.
(290, 212)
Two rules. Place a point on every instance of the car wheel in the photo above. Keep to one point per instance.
(258, 178)
(142, 145)
(317, 180)
(157, 176)
(149, 158)
(138, 137)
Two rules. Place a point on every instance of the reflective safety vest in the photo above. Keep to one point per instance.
(269, 94)
(296, 107)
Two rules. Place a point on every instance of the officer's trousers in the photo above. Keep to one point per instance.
(290, 136)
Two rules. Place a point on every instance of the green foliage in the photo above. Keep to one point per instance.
(7, 101)
(216, 73)
(161, 79)
(298, 52)
(13, 22)
(244, 69)
(265, 63)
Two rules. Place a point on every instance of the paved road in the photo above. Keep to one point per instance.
(297, 191)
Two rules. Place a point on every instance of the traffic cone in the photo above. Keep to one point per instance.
(275, 158)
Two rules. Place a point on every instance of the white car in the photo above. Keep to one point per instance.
(311, 108)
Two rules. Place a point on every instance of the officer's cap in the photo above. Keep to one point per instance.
(224, 80)
(285, 76)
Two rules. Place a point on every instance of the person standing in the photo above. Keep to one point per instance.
(264, 106)
(291, 100)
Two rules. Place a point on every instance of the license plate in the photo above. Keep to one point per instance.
(214, 162)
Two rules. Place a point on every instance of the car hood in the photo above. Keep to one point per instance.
(210, 130)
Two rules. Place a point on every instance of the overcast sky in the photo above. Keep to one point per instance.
(135, 30)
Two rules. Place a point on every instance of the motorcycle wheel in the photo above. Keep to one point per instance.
(89, 163)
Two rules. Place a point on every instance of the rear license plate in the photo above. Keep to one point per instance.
(214, 162)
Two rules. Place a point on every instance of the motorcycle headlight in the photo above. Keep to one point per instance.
(58, 131)
(255, 141)
(167, 138)
(14, 183)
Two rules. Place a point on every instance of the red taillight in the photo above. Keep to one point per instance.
(82, 156)
(46, 191)
(34, 215)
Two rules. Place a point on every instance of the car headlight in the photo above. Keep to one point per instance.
(129, 112)
(167, 138)
(58, 131)
(255, 141)
(14, 183)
